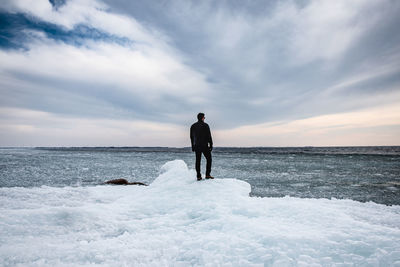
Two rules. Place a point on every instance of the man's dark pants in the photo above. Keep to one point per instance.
(207, 154)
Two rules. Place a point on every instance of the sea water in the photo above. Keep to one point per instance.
(357, 173)
(266, 207)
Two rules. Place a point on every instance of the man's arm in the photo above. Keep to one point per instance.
(210, 138)
(192, 137)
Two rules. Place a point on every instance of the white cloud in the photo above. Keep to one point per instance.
(323, 29)
(360, 128)
(148, 69)
(23, 127)
(245, 67)
(142, 69)
(320, 30)
(89, 12)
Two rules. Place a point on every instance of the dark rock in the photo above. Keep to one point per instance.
(124, 182)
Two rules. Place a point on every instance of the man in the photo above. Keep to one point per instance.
(200, 137)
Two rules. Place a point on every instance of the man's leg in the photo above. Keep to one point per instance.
(207, 154)
(198, 160)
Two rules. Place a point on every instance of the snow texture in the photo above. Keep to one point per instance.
(177, 221)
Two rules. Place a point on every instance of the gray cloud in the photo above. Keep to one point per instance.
(281, 51)
(241, 62)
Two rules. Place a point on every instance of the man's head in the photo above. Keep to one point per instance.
(200, 116)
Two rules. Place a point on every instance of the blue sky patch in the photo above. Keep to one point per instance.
(15, 32)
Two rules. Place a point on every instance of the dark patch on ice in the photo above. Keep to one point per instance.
(123, 182)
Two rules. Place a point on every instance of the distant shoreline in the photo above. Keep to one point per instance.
(223, 147)
(332, 150)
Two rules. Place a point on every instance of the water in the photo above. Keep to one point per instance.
(358, 173)
(54, 210)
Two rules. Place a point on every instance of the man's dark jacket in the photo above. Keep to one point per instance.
(200, 136)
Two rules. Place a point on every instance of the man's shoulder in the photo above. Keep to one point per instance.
(199, 124)
(194, 125)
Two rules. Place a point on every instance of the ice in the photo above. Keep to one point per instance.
(177, 221)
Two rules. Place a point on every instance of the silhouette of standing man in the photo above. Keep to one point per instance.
(200, 136)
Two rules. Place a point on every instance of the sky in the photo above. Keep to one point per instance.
(136, 73)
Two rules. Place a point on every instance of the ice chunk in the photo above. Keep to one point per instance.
(178, 221)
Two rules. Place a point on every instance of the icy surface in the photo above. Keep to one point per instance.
(362, 174)
(177, 221)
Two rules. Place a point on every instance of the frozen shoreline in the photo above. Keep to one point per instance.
(178, 221)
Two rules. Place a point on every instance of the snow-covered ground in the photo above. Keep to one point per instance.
(177, 221)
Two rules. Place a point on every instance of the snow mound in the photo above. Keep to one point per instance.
(175, 176)
(177, 221)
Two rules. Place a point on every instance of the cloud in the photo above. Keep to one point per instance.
(24, 127)
(267, 57)
(378, 126)
(136, 77)
(244, 64)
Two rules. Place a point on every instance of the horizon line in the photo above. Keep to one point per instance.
(328, 146)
